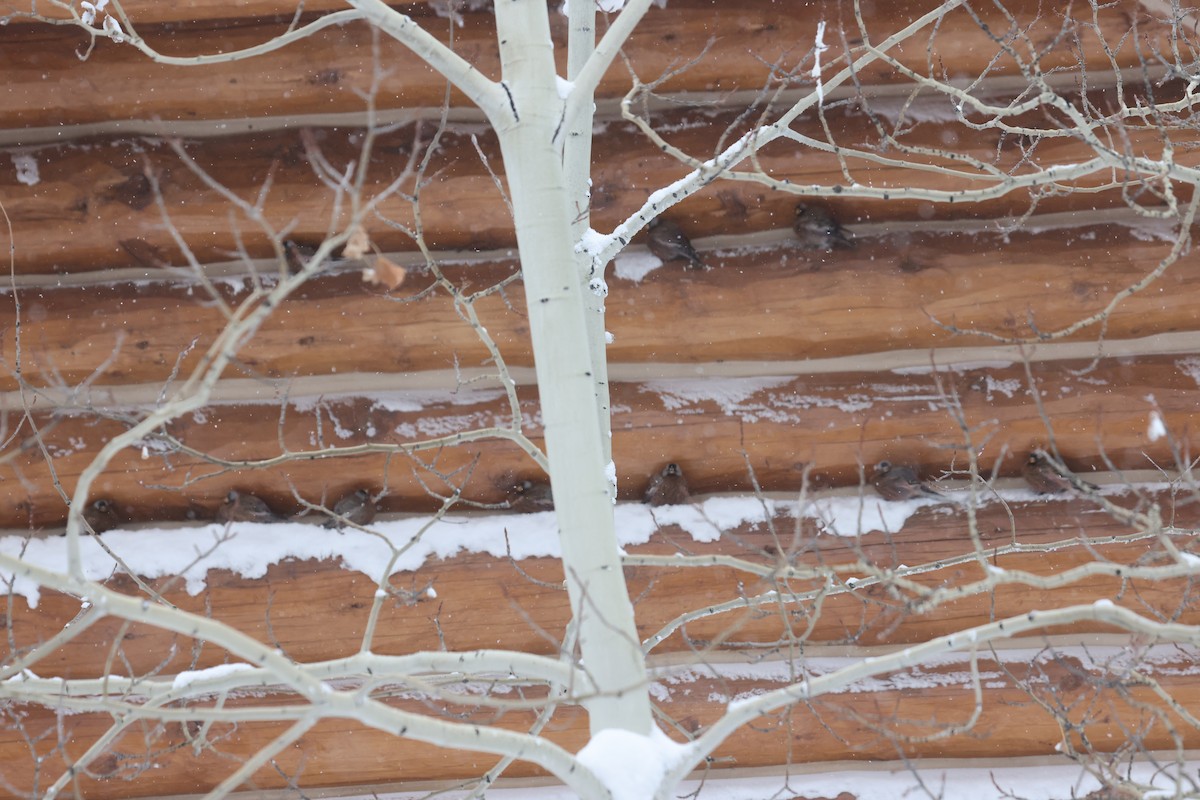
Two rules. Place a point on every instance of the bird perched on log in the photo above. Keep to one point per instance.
(900, 482)
(1045, 478)
(240, 507)
(669, 243)
(528, 497)
(668, 487)
(818, 229)
(101, 516)
(297, 255)
(356, 507)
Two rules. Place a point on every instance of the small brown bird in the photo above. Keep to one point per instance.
(1045, 478)
(356, 507)
(527, 497)
(668, 488)
(297, 255)
(101, 516)
(818, 229)
(899, 482)
(669, 243)
(240, 507)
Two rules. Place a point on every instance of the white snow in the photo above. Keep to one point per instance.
(609, 6)
(633, 266)
(1156, 429)
(1006, 387)
(819, 47)
(187, 678)
(729, 394)
(932, 673)
(592, 242)
(113, 29)
(631, 766)
(1190, 367)
(253, 547)
(997, 779)
(851, 516)
(27, 169)
(564, 87)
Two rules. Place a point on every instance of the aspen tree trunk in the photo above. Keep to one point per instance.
(563, 353)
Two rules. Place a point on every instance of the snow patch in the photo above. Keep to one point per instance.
(1156, 429)
(1191, 367)
(251, 548)
(996, 780)
(635, 266)
(27, 169)
(630, 765)
(730, 395)
(188, 677)
(854, 516)
(1006, 387)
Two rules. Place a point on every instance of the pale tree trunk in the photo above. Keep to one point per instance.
(577, 162)
(563, 354)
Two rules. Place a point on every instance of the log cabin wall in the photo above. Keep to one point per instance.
(793, 368)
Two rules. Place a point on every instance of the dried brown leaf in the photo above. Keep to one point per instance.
(385, 272)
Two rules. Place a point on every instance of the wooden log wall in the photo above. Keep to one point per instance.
(777, 359)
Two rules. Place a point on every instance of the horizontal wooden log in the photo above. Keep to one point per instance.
(328, 73)
(831, 422)
(152, 760)
(318, 610)
(803, 307)
(93, 208)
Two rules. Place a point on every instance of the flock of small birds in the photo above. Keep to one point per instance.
(815, 225)
(1040, 471)
(668, 487)
(356, 508)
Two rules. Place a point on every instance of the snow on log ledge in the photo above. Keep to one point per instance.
(248, 549)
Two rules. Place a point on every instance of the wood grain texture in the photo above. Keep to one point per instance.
(341, 753)
(832, 423)
(485, 602)
(92, 200)
(317, 610)
(49, 86)
(915, 265)
(774, 303)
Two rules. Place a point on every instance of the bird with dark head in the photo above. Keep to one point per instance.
(101, 515)
(241, 507)
(900, 482)
(818, 229)
(1045, 477)
(669, 243)
(668, 487)
(528, 497)
(356, 507)
(297, 255)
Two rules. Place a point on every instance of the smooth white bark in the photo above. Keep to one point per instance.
(557, 310)
(576, 135)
